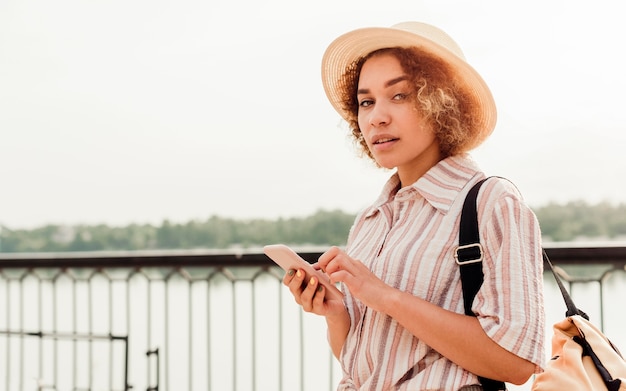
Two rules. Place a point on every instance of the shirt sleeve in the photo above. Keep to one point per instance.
(510, 303)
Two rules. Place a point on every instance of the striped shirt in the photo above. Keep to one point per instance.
(407, 238)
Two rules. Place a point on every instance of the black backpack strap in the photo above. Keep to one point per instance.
(469, 257)
(569, 303)
(469, 254)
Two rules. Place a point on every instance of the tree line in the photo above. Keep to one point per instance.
(321, 228)
(559, 222)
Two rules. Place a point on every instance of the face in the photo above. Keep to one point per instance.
(393, 128)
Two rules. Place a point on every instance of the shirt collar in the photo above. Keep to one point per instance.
(440, 186)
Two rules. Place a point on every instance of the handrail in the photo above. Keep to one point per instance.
(560, 253)
(149, 258)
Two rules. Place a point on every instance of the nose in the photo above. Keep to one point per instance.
(379, 115)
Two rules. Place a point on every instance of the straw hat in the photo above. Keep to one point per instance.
(350, 47)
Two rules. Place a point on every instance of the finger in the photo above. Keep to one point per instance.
(308, 294)
(338, 275)
(327, 257)
(320, 294)
(340, 262)
(319, 268)
(288, 276)
(291, 278)
(295, 285)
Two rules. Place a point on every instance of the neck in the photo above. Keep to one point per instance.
(409, 174)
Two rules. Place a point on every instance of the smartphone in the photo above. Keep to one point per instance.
(287, 259)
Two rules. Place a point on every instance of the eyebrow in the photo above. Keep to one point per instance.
(389, 83)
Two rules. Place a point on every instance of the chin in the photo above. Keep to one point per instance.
(385, 164)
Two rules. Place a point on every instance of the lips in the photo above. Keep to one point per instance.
(384, 140)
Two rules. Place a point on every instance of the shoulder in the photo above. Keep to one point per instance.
(500, 200)
(497, 189)
(490, 191)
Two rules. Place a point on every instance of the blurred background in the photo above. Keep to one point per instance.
(149, 148)
(118, 112)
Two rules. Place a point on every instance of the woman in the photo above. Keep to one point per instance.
(414, 105)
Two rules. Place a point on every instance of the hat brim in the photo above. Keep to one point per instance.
(352, 46)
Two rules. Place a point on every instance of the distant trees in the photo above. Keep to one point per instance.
(322, 228)
(60, 238)
(578, 220)
(572, 221)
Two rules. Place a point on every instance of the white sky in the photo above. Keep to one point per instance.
(120, 111)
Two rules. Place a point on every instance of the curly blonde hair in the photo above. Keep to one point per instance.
(444, 103)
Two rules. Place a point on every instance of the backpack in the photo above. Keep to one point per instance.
(583, 358)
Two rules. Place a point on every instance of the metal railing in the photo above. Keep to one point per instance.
(41, 385)
(202, 320)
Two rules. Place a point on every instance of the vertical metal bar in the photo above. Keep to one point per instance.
(8, 323)
(110, 332)
(234, 337)
(90, 299)
(208, 326)
(190, 332)
(149, 328)
(301, 316)
(601, 281)
(128, 312)
(126, 385)
(40, 323)
(22, 361)
(149, 354)
(55, 342)
(253, 339)
(158, 369)
(281, 316)
(8, 328)
(74, 330)
(125, 340)
(166, 334)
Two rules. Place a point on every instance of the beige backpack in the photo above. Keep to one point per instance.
(583, 358)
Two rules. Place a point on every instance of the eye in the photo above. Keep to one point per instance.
(400, 96)
(366, 103)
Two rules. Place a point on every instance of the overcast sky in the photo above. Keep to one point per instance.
(123, 111)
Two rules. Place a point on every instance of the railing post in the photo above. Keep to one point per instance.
(154, 352)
